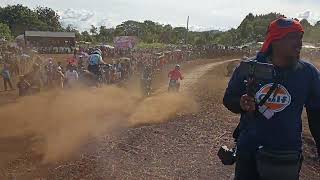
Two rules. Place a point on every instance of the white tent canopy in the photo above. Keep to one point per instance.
(108, 46)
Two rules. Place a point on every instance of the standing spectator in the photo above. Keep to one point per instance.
(23, 86)
(14, 66)
(5, 73)
(71, 76)
(34, 77)
(119, 70)
(269, 143)
(60, 67)
(60, 74)
(72, 60)
(50, 69)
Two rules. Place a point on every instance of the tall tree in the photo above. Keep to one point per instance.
(86, 36)
(70, 28)
(179, 34)
(49, 17)
(305, 23)
(5, 32)
(20, 18)
(166, 34)
(93, 30)
(105, 35)
(130, 28)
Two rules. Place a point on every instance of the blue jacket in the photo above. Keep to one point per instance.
(300, 87)
(5, 73)
(95, 59)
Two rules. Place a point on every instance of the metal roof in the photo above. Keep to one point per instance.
(50, 34)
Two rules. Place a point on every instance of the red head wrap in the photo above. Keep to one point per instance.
(278, 29)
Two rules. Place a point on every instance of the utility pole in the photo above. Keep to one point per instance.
(186, 36)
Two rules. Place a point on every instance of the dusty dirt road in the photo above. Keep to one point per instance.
(185, 147)
(190, 78)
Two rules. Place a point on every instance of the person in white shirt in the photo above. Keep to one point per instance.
(71, 76)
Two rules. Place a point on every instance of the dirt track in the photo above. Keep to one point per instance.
(195, 74)
(183, 148)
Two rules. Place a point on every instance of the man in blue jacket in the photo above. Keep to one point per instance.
(5, 73)
(269, 144)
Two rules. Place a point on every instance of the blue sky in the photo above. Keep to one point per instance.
(204, 14)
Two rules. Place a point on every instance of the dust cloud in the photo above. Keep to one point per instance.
(160, 108)
(61, 121)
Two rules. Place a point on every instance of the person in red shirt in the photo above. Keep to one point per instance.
(174, 76)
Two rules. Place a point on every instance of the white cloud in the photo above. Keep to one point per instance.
(203, 28)
(310, 16)
(304, 15)
(83, 19)
(197, 28)
(105, 22)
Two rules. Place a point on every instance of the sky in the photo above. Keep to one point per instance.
(204, 14)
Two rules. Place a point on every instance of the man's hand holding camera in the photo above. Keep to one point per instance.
(247, 103)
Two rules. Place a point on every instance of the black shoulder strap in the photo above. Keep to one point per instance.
(274, 89)
(268, 95)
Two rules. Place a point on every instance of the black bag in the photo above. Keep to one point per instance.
(279, 165)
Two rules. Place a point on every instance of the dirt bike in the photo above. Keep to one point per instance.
(102, 74)
(174, 86)
(92, 78)
(108, 74)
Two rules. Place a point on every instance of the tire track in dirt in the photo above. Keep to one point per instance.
(192, 77)
(162, 106)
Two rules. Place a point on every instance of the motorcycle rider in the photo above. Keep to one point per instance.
(174, 76)
(95, 59)
(51, 72)
(269, 144)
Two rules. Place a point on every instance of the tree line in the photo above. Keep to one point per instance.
(254, 28)
(16, 19)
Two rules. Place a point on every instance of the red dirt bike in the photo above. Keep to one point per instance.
(174, 86)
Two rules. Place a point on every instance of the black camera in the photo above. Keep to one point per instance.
(227, 156)
(260, 71)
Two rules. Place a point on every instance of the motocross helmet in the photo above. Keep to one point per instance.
(97, 51)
